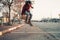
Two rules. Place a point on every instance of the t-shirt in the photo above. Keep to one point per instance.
(26, 8)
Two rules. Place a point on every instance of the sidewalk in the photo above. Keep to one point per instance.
(26, 32)
(6, 29)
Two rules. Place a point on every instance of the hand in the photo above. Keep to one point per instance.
(31, 7)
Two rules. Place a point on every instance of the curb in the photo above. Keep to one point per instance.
(10, 29)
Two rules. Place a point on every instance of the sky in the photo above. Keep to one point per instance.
(45, 9)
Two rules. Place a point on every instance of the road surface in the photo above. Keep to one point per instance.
(27, 32)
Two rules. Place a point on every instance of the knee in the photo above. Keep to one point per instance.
(31, 15)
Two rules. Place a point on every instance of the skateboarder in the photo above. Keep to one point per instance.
(26, 11)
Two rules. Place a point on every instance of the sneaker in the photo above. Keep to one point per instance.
(30, 24)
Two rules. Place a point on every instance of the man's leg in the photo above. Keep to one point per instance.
(26, 13)
(29, 21)
(26, 18)
(30, 17)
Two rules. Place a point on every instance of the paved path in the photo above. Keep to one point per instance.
(6, 27)
(27, 32)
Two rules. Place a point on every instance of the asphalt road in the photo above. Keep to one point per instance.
(28, 33)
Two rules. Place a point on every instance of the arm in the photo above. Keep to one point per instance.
(31, 6)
